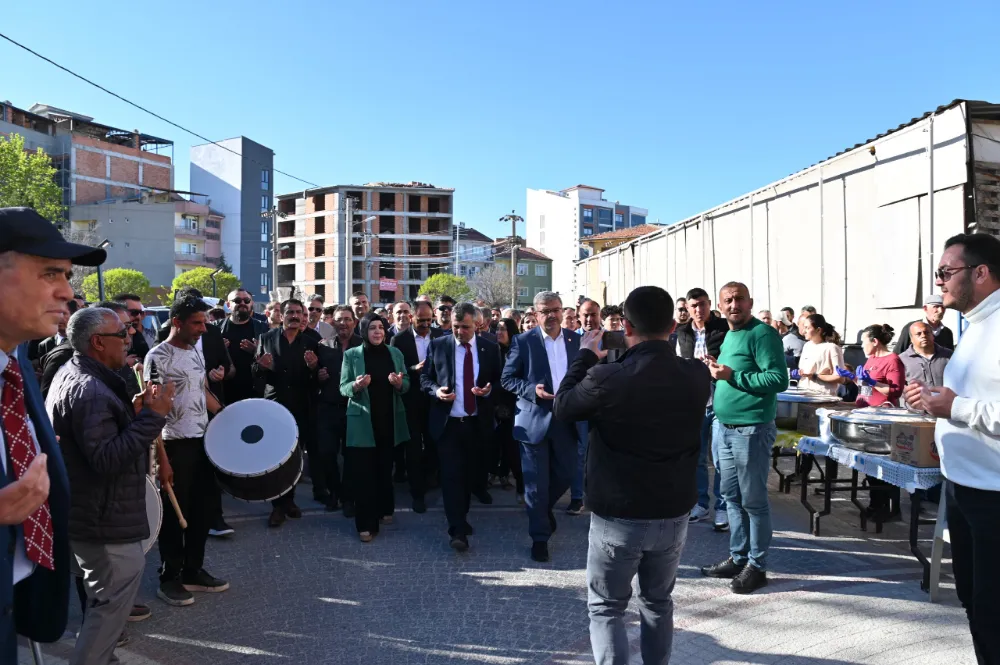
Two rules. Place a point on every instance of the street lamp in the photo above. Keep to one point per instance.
(100, 275)
(513, 219)
(215, 286)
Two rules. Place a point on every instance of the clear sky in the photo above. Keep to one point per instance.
(670, 106)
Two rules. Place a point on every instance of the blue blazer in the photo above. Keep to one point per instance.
(439, 370)
(40, 602)
(527, 366)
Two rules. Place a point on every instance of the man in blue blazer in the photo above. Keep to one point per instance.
(35, 266)
(536, 365)
(459, 374)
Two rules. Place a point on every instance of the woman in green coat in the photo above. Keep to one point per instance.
(373, 377)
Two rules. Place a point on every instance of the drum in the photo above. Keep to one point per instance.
(253, 446)
(154, 514)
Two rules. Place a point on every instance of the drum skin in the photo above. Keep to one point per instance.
(253, 445)
(154, 514)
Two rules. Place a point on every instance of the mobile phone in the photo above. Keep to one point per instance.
(613, 340)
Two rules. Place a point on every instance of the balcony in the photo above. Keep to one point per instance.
(189, 232)
(191, 258)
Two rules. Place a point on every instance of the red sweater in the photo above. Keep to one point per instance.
(886, 370)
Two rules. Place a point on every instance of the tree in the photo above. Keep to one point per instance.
(222, 263)
(443, 284)
(81, 273)
(117, 280)
(492, 284)
(28, 179)
(200, 279)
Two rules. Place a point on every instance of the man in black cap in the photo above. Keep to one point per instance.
(35, 267)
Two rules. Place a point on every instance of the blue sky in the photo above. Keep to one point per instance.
(670, 106)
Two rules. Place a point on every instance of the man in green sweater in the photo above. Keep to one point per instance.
(749, 374)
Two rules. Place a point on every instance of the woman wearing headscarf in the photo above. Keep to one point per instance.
(510, 450)
(372, 378)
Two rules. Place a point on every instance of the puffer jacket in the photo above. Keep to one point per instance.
(106, 449)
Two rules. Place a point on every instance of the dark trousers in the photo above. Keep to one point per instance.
(548, 468)
(974, 523)
(183, 550)
(510, 453)
(371, 474)
(347, 483)
(304, 424)
(323, 467)
(412, 453)
(461, 470)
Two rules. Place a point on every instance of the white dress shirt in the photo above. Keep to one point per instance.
(458, 406)
(423, 343)
(555, 351)
(23, 566)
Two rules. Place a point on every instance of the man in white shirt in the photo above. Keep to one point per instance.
(968, 431)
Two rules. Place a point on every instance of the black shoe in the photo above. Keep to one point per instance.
(123, 639)
(469, 531)
(321, 497)
(139, 612)
(220, 528)
(483, 496)
(419, 506)
(459, 543)
(575, 507)
(277, 518)
(727, 569)
(552, 522)
(293, 511)
(349, 509)
(202, 581)
(332, 505)
(172, 592)
(540, 552)
(749, 580)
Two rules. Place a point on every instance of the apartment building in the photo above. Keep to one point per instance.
(158, 234)
(382, 238)
(94, 162)
(534, 270)
(475, 251)
(557, 220)
(237, 175)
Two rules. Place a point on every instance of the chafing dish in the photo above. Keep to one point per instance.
(787, 416)
(870, 429)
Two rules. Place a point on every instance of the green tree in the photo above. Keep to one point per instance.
(200, 279)
(28, 179)
(443, 284)
(222, 263)
(117, 280)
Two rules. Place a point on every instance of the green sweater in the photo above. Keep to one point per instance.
(757, 358)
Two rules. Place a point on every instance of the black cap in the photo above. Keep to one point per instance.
(24, 231)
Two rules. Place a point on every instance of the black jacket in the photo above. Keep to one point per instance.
(645, 413)
(60, 355)
(106, 449)
(439, 370)
(242, 384)
(715, 332)
(140, 347)
(289, 382)
(415, 400)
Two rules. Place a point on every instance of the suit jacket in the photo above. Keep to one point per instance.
(527, 366)
(289, 382)
(48, 344)
(415, 399)
(359, 419)
(488, 336)
(40, 602)
(439, 370)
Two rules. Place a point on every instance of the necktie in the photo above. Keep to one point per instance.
(38, 526)
(468, 381)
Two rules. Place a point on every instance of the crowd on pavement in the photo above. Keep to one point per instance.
(623, 406)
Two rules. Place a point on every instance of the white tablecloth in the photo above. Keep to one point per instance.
(908, 477)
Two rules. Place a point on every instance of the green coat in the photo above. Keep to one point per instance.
(359, 418)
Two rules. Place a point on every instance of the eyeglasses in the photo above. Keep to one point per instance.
(315, 309)
(121, 334)
(549, 312)
(242, 301)
(444, 308)
(135, 312)
(944, 274)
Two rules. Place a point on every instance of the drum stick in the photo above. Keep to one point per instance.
(173, 502)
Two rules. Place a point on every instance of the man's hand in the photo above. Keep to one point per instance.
(166, 472)
(938, 401)
(160, 399)
(266, 361)
(719, 372)
(396, 380)
(592, 342)
(420, 365)
(311, 359)
(217, 374)
(444, 394)
(137, 401)
(362, 382)
(131, 360)
(482, 392)
(322, 375)
(21, 498)
(911, 395)
(541, 393)
(225, 340)
(248, 345)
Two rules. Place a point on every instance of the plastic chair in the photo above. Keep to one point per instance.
(941, 536)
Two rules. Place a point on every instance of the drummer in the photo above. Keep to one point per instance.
(105, 442)
(821, 356)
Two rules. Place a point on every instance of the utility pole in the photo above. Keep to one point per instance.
(349, 248)
(513, 219)
(273, 216)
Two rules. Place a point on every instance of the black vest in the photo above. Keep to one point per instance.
(715, 332)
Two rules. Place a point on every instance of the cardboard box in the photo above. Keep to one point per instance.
(808, 422)
(914, 445)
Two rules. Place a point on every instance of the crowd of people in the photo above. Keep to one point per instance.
(623, 407)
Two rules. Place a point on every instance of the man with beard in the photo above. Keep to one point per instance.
(444, 306)
(967, 435)
(210, 344)
(288, 364)
(316, 324)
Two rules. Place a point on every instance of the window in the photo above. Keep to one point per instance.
(320, 270)
(264, 207)
(319, 225)
(462, 270)
(522, 269)
(263, 282)
(588, 214)
(618, 219)
(541, 270)
(263, 231)
(265, 179)
(588, 232)
(604, 218)
(321, 291)
(414, 225)
(319, 202)
(522, 292)
(541, 221)
(319, 247)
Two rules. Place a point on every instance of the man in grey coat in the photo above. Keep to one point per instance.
(106, 440)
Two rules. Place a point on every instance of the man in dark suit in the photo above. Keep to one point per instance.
(35, 266)
(536, 365)
(415, 342)
(459, 374)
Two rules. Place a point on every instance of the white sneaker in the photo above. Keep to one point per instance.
(721, 520)
(697, 514)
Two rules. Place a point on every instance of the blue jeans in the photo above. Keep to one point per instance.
(744, 460)
(620, 549)
(701, 475)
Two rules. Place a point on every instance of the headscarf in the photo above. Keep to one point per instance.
(366, 321)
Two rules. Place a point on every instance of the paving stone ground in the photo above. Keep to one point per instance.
(310, 592)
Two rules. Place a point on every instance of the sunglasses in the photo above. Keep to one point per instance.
(121, 334)
(944, 274)
(242, 301)
(315, 309)
(134, 312)
(444, 308)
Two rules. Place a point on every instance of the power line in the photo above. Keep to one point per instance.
(144, 109)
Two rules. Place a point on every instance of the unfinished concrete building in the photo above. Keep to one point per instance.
(399, 234)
